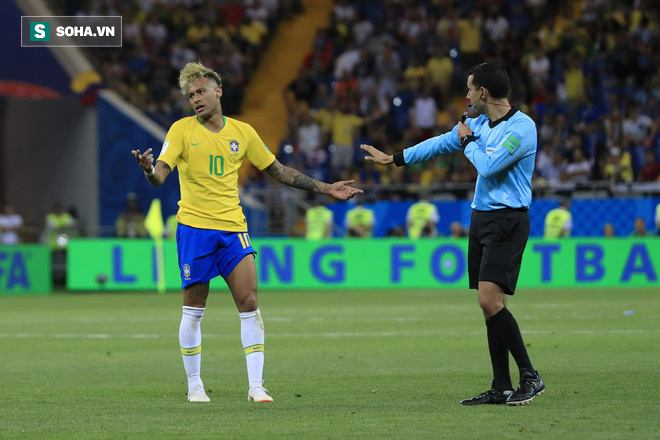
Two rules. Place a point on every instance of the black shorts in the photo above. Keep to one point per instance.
(497, 242)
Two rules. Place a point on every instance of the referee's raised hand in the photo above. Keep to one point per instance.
(376, 155)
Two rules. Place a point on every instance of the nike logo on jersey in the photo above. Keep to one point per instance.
(194, 144)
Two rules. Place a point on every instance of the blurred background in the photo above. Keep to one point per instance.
(316, 78)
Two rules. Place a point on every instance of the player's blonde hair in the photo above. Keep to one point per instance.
(193, 71)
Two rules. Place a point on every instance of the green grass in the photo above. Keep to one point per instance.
(340, 365)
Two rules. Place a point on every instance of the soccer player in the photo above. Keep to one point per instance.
(501, 144)
(212, 237)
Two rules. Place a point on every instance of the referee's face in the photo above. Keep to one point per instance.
(475, 96)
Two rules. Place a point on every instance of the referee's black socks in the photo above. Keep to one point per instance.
(499, 359)
(504, 324)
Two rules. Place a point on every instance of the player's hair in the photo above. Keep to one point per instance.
(493, 77)
(193, 71)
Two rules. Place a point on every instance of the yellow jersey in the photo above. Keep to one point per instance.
(208, 170)
(558, 223)
(318, 220)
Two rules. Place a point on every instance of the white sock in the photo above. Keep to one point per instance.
(252, 337)
(190, 340)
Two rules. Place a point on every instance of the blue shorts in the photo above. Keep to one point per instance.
(206, 253)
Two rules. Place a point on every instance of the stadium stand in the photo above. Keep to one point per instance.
(392, 74)
(586, 71)
(159, 37)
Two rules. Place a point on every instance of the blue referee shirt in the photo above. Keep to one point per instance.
(503, 154)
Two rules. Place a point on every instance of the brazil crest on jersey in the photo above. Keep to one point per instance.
(208, 170)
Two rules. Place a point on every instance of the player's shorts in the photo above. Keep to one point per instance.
(206, 253)
(496, 245)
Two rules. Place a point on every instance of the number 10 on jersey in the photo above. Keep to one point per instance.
(216, 165)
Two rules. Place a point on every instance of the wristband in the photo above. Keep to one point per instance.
(466, 140)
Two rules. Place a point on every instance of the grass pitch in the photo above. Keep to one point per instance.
(340, 365)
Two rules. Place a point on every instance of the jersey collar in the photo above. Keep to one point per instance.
(506, 117)
(224, 123)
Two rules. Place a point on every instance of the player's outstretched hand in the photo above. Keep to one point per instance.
(145, 160)
(376, 155)
(342, 191)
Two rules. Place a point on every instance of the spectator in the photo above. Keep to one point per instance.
(650, 171)
(619, 166)
(469, 29)
(360, 221)
(422, 220)
(457, 230)
(608, 230)
(318, 222)
(344, 125)
(303, 87)
(309, 134)
(496, 26)
(440, 70)
(58, 225)
(559, 221)
(346, 61)
(552, 170)
(579, 169)
(343, 10)
(639, 227)
(130, 224)
(388, 62)
(424, 114)
(539, 67)
(373, 104)
(396, 231)
(10, 223)
(638, 129)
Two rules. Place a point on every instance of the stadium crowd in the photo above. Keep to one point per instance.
(391, 74)
(161, 36)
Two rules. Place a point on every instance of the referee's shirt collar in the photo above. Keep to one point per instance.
(506, 117)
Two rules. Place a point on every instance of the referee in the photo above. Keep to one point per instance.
(501, 144)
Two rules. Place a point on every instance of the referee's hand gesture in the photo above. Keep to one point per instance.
(377, 156)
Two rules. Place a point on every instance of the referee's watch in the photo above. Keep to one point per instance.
(466, 140)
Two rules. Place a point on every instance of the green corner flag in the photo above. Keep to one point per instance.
(155, 226)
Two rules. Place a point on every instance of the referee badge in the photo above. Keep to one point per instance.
(511, 143)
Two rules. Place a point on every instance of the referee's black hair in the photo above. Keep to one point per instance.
(493, 77)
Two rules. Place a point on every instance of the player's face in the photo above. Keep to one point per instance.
(204, 97)
(475, 96)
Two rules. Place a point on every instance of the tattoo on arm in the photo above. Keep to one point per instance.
(296, 179)
(158, 178)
